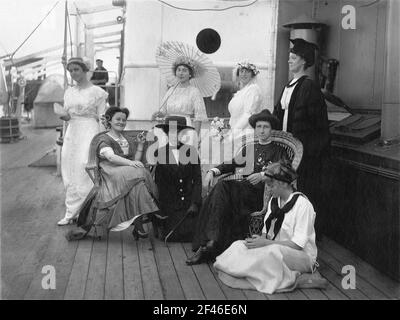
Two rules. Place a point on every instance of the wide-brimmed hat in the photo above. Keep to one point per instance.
(264, 115)
(177, 122)
(281, 171)
(85, 65)
(205, 75)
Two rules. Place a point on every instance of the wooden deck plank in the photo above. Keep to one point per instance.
(386, 285)
(209, 285)
(172, 289)
(77, 280)
(254, 295)
(296, 295)
(335, 279)
(230, 293)
(96, 279)
(277, 296)
(30, 246)
(151, 281)
(114, 286)
(132, 276)
(61, 255)
(314, 294)
(19, 282)
(365, 287)
(190, 286)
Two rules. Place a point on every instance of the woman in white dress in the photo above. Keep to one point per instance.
(245, 102)
(184, 99)
(273, 261)
(84, 103)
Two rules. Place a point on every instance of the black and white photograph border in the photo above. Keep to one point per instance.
(90, 89)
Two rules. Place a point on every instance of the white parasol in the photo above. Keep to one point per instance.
(205, 75)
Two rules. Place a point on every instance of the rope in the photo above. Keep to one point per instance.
(79, 15)
(33, 30)
(70, 33)
(206, 9)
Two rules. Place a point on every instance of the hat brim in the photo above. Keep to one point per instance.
(84, 67)
(165, 126)
(273, 121)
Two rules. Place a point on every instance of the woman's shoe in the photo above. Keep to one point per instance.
(76, 234)
(139, 234)
(200, 256)
(158, 222)
(64, 222)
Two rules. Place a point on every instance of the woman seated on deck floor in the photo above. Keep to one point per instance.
(273, 261)
(125, 191)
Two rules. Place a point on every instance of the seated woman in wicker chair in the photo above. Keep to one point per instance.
(224, 216)
(124, 190)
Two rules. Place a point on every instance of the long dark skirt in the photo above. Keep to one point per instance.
(311, 183)
(225, 213)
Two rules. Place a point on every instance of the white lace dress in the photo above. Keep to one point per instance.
(85, 107)
(246, 102)
(186, 102)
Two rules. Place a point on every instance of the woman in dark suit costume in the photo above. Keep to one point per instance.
(178, 178)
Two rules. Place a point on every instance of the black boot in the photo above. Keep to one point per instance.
(159, 225)
(198, 257)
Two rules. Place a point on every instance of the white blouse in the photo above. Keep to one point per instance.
(244, 103)
(285, 100)
(87, 103)
(184, 101)
(297, 226)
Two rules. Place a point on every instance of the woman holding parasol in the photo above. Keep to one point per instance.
(191, 76)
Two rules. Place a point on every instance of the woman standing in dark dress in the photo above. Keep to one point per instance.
(224, 216)
(178, 178)
(302, 111)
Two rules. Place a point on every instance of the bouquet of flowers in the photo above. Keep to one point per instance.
(217, 126)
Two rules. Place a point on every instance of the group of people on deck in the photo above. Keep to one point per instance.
(171, 196)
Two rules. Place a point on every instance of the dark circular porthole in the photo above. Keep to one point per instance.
(208, 40)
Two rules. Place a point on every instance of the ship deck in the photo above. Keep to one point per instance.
(118, 267)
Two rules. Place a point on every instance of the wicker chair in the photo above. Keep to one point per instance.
(294, 149)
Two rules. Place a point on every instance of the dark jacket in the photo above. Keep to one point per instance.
(307, 118)
(179, 185)
(100, 74)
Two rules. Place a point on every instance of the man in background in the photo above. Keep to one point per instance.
(100, 75)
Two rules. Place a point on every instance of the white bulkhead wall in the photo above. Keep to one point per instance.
(246, 33)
